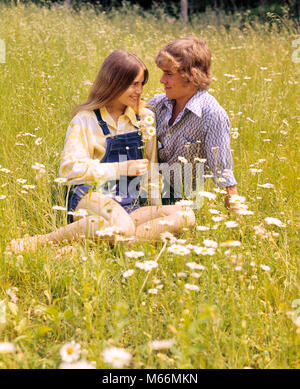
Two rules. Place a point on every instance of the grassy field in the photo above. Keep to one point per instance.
(244, 311)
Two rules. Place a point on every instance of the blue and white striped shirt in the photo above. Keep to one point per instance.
(201, 130)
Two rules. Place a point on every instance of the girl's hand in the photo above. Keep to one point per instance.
(136, 167)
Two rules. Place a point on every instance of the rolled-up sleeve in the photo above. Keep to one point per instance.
(217, 147)
(77, 165)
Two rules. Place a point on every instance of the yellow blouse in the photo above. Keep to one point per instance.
(85, 146)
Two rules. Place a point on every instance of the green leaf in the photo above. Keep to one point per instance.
(42, 330)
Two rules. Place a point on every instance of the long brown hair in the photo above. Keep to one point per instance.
(116, 74)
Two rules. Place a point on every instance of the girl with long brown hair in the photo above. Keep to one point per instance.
(106, 154)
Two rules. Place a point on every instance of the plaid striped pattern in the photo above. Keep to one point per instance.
(202, 129)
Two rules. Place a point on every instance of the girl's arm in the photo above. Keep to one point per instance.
(77, 164)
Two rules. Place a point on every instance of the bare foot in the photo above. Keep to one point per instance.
(25, 244)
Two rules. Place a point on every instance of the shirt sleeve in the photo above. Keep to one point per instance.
(77, 165)
(154, 102)
(217, 146)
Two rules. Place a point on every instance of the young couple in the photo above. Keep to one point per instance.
(109, 140)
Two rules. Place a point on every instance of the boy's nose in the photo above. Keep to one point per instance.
(162, 80)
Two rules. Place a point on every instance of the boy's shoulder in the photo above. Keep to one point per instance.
(157, 101)
(203, 104)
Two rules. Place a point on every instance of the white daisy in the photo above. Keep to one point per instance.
(152, 291)
(195, 266)
(231, 243)
(21, 180)
(245, 212)
(167, 237)
(161, 344)
(265, 267)
(220, 190)
(108, 231)
(236, 199)
(70, 352)
(151, 131)
(231, 224)
(117, 357)
(217, 219)
(202, 160)
(60, 180)
(146, 265)
(208, 195)
(267, 185)
(210, 243)
(178, 249)
(134, 254)
(214, 211)
(149, 120)
(184, 203)
(181, 274)
(6, 347)
(59, 208)
(182, 159)
(275, 221)
(204, 250)
(38, 141)
(191, 287)
(128, 273)
(202, 228)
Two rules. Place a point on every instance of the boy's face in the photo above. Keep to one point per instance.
(175, 86)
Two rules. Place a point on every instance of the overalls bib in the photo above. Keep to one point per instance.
(119, 148)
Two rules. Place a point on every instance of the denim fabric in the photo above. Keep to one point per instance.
(126, 146)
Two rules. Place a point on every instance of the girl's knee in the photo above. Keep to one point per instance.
(191, 218)
(188, 217)
(128, 227)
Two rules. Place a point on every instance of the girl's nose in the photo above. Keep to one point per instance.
(140, 89)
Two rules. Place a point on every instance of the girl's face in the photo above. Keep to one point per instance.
(132, 95)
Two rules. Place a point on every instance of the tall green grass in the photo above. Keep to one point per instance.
(242, 314)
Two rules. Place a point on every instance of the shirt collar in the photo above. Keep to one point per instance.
(194, 104)
(129, 113)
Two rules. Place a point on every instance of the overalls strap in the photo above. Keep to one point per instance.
(101, 122)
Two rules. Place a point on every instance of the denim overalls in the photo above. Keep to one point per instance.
(119, 148)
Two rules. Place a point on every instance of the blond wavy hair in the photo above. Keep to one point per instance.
(116, 74)
(189, 56)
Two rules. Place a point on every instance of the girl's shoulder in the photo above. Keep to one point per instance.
(85, 114)
(82, 117)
